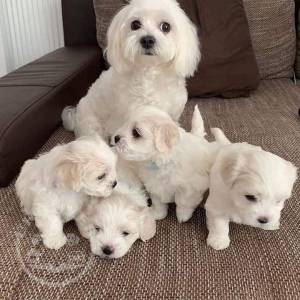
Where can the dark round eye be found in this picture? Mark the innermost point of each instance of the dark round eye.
(125, 233)
(97, 228)
(251, 198)
(136, 25)
(165, 27)
(135, 133)
(101, 177)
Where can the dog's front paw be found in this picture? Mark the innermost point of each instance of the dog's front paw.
(183, 214)
(160, 212)
(54, 241)
(218, 242)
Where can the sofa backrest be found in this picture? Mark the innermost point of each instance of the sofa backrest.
(79, 22)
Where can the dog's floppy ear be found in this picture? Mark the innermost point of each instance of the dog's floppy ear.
(166, 136)
(239, 168)
(147, 228)
(230, 168)
(68, 175)
(292, 173)
(83, 219)
(188, 52)
(114, 41)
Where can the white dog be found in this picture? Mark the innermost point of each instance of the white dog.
(173, 164)
(152, 48)
(247, 186)
(53, 188)
(113, 224)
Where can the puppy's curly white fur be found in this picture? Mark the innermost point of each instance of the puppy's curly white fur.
(114, 223)
(173, 164)
(152, 47)
(247, 185)
(53, 187)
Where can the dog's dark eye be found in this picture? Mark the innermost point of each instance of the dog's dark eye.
(165, 27)
(97, 228)
(135, 133)
(136, 25)
(251, 198)
(101, 177)
(125, 233)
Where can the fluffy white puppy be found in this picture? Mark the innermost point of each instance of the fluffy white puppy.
(53, 187)
(173, 164)
(114, 223)
(247, 185)
(152, 48)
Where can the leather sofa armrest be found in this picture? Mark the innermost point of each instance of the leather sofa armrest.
(33, 97)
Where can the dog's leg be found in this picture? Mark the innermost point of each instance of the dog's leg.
(218, 231)
(87, 122)
(51, 228)
(186, 203)
(159, 209)
(184, 213)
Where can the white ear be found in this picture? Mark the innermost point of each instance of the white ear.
(114, 41)
(166, 136)
(83, 220)
(68, 175)
(230, 169)
(188, 52)
(292, 173)
(147, 227)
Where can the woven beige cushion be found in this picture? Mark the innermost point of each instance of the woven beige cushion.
(273, 34)
(176, 263)
(297, 64)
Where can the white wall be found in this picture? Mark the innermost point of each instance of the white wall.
(3, 69)
(30, 29)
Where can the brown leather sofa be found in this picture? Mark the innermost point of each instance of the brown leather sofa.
(32, 97)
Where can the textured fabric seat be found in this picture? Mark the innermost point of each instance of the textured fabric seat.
(176, 263)
(32, 98)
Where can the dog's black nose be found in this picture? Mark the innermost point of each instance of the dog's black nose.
(107, 250)
(114, 184)
(263, 220)
(148, 41)
(149, 202)
(117, 138)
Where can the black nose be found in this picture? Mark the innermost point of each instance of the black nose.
(149, 202)
(107, 250)
(117, 138)
(114, 184)
(148, 41)
(263, 220)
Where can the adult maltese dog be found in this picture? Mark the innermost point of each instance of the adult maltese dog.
(173, 164)
(53, 187)
(152, 47)
(114, 223)
(247, 185)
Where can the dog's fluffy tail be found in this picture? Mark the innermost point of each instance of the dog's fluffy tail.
(220, 136)
(69, 118)
(197, 123)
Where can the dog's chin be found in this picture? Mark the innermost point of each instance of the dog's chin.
(104, 193)
(269, 226)
(132, 157)
(102, 255)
